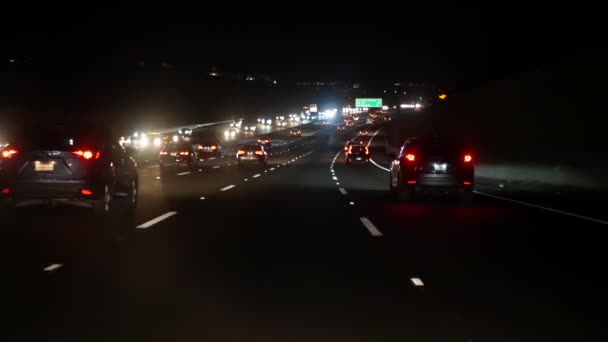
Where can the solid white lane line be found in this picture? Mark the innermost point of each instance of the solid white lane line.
(544, 208)
(226, 188)
(343, 191)
(216, 167)
(417, 281)
(184, 173)
(272, 169)
(370, 226)
(52, 267)
(256, 175)
(379, 166)
(156, 220)
(335, 178)
(370, 159)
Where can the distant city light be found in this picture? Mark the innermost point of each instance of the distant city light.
(384, 107)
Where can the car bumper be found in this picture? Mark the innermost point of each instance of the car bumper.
(445, 181)
(52, 190)
(246, 160)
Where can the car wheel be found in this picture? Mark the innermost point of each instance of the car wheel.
(103, 205)
(466, 198)
(404, 195)
(133, 194)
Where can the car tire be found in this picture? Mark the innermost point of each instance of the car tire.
(466, 198)
(102, 207)
(133, 194)
(404, 195)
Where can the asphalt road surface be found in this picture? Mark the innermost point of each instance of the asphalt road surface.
(303, 249)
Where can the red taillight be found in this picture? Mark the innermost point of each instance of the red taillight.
(366, 150)
(259, 152)
(411, 182)
(184, 153)
(5, 191)
(239, 152)
(9, 153)
(468, 158)
(410, 157)
(86, 154)
(86, 192)
(350, 149)
(163, 153)
(467, 183)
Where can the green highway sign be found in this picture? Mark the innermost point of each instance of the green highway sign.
(368, 103)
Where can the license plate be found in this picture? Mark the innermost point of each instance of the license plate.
(358, 158)
(440, 167)
(44, 166)
(174, 153)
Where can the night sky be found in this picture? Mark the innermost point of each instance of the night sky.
(426, 44)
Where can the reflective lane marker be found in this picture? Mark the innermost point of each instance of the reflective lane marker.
(229, 164)
(246, 179)
(335, 178)
(272, 169)
(343, 191)
(156, 220)
(52, 267)
(370, 226)
(226, 188)
(157, 177)
(351, 203)
(417, 281)
(544, 208)
(284, 164)
(183, 173)
(337, 183)
(293, 160)
(216, 167)
(200, 170)
(256, 175)
(203, 198)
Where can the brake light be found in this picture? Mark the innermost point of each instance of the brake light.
(350, 149)
(411, 182)
(163, 153)
(468, 158)
(410, 157)
(86, 154)
(5, 191)
(86, 192)
(366, 150)
(239, 152)
(259, 152)
(184, 153)
(9, 153)
(466, 183)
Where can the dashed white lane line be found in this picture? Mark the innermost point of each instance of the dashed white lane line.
(246, 179)
(272, 169)
(156, 220)
(351, 203)
(184, 173)
(216, 167)
(334, 178)
(226, 188)
(158, 177)
(52, 267)
(343, 191)
(417, 282)
(544, 208)
(370, 226)
(214, 158)
(203, 198)
(256, 175)
(337, 183)
(284, 164)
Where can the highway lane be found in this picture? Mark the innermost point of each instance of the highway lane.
(286, 256)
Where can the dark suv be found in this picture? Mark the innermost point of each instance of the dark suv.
(432, 164)
(67, 164)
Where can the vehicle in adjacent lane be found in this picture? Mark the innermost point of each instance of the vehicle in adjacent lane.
(68, 165)
(432, 165)
(357, 153)
(265, 141)
(251, 154)
(178, 157)
(295, 132)
(208, 149)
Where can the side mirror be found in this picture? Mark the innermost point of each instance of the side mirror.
(393, 156)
